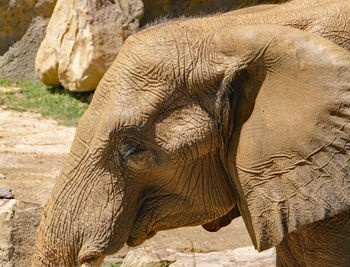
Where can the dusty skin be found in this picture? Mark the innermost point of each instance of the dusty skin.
(198, 116)
(32, 150)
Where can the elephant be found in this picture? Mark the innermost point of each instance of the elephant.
(201, 120)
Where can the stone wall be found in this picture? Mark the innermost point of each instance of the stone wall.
(19, 221)
(22, 27)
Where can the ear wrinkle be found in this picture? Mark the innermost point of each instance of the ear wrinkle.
(225, 105)
(236, 100)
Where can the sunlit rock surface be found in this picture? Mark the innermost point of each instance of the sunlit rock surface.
(82, 40)
(152, 256)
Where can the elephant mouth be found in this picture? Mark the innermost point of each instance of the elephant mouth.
(138, 239)
(145, 224)
(223, 221)
(139, 233)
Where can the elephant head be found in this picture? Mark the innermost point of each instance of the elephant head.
(187, 124)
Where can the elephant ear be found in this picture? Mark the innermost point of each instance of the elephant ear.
(289, 144)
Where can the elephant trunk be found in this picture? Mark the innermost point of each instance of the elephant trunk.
(83, 218)
(48, 251)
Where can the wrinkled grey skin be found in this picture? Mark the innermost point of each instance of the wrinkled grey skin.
(197, 116)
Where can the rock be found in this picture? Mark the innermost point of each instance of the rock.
(7, 211)
(82, 40)
(19, 221)
(154, 256)
(2, 176)
(17, 15)
(25, 224)
(22, 25)
(18, 61)
(6, 193)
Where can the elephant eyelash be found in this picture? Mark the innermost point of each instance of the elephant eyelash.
(129, 150)
(128, 153)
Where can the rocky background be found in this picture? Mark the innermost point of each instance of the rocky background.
(82, 36)
(22, 28)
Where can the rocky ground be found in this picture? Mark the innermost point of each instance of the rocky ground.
(32, 150)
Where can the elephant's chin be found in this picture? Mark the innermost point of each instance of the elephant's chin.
(144, 225)
(136, 240)
(223, 221)
(141, 230)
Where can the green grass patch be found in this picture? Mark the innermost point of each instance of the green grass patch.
(52, 102)
(5, 82)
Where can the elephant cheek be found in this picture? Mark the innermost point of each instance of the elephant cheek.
(223, 221)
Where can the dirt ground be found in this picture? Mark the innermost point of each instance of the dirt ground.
(32, 150)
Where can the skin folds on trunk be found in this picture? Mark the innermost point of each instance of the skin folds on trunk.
(77, 222)
(94, 205)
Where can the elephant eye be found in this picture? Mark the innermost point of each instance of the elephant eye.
(135, 156)
(130, 148)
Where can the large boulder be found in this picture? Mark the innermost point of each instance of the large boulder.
(17, 15)
(157, 256)
(82, 40)
(22, 27)
(19, 221)
(83, 37)
(7, 211)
